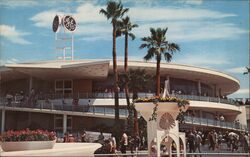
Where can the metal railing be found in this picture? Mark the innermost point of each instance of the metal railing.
(95, 110)
(215, 123)
(100, 95)
(104, 111)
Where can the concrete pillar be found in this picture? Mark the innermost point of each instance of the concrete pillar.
(64, 123)
(3, 121)
(30, 84)
(220, 95)
(215, 89)
(199, 87)
(158, 143)
(201, 116)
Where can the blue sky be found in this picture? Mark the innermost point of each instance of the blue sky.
(212, 34)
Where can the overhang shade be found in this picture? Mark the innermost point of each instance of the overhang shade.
(61, 70)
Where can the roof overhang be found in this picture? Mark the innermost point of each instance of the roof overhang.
(225, 82)
(58, 70)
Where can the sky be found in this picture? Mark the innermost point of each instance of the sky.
(211, 33)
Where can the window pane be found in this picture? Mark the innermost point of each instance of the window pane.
(67, 84)
(59, 84)
(67, 91)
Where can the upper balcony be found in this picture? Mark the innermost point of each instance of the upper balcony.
(107, 112)
(143, 95)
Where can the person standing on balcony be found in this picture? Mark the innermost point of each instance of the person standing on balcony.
(9, 98)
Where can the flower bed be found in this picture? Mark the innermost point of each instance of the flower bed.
(180, 102)
(27, 140)
(27, 135)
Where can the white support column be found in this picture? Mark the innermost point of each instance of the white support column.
(64, 123)
(30, 84)
(3, 121)
(158, 143)
(199, 87)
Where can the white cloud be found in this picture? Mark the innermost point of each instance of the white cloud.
(86, 13)
(193, 30)
(202, 60)
(242, 91)
(9, 61)
(13, 35)
(18, 3)
(237, 70)
(191, 2)
(166, 14)
(185, 24)
(31, 3)
(45, 18)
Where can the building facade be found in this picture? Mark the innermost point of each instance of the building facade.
(69, 96)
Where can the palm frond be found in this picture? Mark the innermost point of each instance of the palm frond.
(150, 54)
(144, 45)
(168, 57)
(172, 47)
(131, 35)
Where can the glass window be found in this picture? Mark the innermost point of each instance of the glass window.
(67, 84)
(59, 84)
(63, 86)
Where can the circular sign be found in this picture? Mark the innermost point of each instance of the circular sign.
(56, 24)
(69, 23)
(166, 121)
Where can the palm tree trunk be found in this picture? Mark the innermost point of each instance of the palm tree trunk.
(136, 126)
(126, 71)
(126, 83)
(115, 75)
(158, 77)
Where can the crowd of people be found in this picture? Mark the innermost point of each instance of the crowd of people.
(217, 140)
(126, 143)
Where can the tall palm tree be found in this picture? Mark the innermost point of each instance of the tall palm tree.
(157, 46)
(124, 28)
(114, 11)
(138, 81)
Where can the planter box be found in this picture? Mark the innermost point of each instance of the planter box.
(27, 145)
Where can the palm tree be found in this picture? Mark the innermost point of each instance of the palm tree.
(157, 46)
(124, 28)
(138, 81)
(114, 11)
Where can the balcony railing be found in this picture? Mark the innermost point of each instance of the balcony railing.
(215, 123)
(108, 111)
(122, 95)
(52, 106)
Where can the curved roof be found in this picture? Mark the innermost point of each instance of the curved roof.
(223, 81)
(99, 69)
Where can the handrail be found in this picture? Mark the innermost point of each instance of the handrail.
(97, 110)
(110, 95)
(216, 123)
